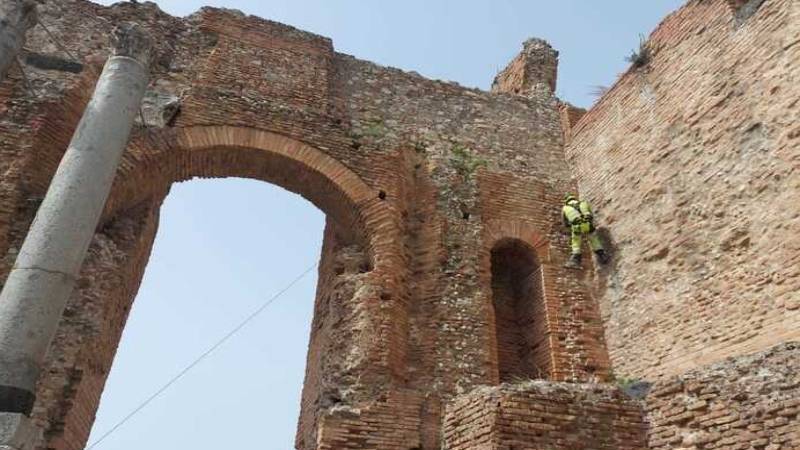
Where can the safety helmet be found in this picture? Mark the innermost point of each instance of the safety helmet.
(569, 197)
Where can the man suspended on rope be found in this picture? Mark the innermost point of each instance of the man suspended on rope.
(579, 219)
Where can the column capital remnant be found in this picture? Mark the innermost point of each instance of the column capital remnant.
(131, 40)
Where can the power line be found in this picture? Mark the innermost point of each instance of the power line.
(200, 358)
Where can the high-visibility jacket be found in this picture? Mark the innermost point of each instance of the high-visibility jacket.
(577, 212)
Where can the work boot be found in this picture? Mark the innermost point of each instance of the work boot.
(574, 261)
(602, 256)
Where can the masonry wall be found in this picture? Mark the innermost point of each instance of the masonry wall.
(747, 402)
(419, 179)
(555, 416)
(691, 163)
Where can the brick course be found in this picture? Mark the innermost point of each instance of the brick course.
(403, 167)
(534, 415)
(443, 249)
(746, 402)
(691, 163)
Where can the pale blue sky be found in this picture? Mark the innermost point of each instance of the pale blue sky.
(224, 246)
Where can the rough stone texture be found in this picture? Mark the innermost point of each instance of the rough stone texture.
(420, 181)
(442, 207)
(750, 403)
(544, 415)
(692, 165)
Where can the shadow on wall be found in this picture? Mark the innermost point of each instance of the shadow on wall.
(518, 302)
(604, 274)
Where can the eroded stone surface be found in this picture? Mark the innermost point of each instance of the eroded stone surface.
(421, 181)
(692, 164)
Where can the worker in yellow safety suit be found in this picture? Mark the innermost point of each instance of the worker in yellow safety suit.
(579, 219)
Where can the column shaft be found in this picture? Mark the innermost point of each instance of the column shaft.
(44, 274)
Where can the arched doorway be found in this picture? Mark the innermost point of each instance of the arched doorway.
(519, 312)
(220, 253)
(360, 225)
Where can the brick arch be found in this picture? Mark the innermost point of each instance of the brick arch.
(570, 316)
(496, 230)
(516, 306)
(153, 161)
(157, 159)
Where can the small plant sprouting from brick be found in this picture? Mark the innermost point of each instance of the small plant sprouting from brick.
(464, 160)
(623, 382)
(598, 91)
(642, 56)
(375, 129)
(633, 387)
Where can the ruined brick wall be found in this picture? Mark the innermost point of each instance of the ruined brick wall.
(555, 416)
(533, 72)
(747, 402)
(419, 181)
(691, 163)
(442, 207)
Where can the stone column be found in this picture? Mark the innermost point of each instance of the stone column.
(16, 18)
(50, 259)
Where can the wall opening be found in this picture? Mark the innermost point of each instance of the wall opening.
(517, 298)
(223, 248)
(82, 353)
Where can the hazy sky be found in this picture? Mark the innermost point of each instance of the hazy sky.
(225, 246)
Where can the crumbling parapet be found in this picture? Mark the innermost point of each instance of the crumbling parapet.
(532, 73)
(541, 414)
(750, 402)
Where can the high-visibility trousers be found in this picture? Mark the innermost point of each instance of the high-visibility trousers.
(584, 229)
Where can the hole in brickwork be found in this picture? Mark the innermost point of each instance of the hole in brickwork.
(744, 9)
(519, 312)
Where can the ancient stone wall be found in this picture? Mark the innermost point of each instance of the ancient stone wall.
(442, 263)
(691, 162)
(419, 179)
(747, 402)
(555, 416)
